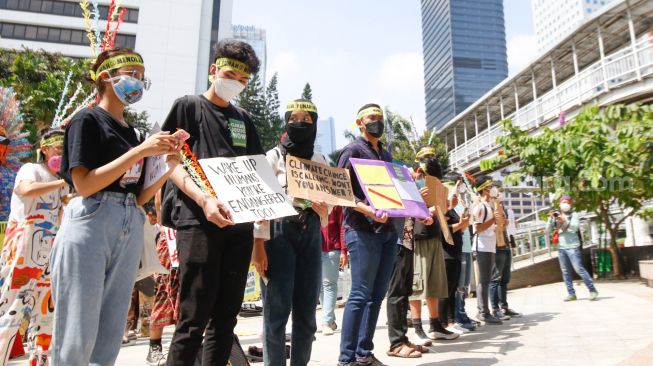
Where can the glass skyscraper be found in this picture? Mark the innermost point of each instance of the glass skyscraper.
(464, 43)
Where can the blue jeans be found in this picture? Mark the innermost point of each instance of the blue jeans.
(569, 258)
(372, 257)
(294, 272)
(500, 279)
(329, 293)
(94, 263)
(463, 287)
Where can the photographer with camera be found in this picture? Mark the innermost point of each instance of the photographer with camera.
(566, 223)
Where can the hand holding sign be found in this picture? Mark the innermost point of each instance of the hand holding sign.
(216, 212)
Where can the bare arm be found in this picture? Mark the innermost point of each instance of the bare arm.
(30, 189)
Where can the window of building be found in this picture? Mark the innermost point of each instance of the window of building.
(56, 35)
(59, 7)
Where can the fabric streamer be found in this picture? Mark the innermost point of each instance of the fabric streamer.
(115, 30)
(189, 162)
(89, 28)
(86, 103)
(96, 29)
(63, 95)
(107, 30)
(59, 118)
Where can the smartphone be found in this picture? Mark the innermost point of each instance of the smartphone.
(181, 135)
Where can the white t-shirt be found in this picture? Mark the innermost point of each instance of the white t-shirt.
(48, 204)
(484, 241)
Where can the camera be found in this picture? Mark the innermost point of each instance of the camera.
(556, 213)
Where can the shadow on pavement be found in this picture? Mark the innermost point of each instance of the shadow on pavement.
(464, 362)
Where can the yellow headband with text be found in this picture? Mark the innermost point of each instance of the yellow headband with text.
(423, 152)
(116, 62)
(231, 64)
(52, 141)
(370, 112)
(301, 106)
(484, 185)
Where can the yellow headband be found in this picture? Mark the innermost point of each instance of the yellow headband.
(301, 106)
(116, 62)
(231, 64)
(424, 151)
(484, 185)
(369, 112)
(51, 141)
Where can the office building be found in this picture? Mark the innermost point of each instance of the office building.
(464, 45)
(255, 37)
(325, 142)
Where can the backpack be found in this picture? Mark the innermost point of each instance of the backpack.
(170, 201)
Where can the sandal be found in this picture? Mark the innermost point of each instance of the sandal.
(418, 348)
(404, 351)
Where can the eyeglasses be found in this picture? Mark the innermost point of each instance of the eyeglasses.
(136, 75)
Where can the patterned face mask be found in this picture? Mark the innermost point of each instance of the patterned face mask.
(129, 89)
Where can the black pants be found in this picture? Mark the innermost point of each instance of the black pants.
(213, 266)
(447, 306)
(400, 289)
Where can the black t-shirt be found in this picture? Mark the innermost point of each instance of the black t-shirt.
(93, 139)
(224, 132)
(453, 251)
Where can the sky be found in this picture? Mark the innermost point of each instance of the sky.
(358, 52)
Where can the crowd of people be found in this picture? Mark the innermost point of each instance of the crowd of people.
(69, 260)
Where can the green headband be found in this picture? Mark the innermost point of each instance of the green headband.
(301, 106)
(116, 62)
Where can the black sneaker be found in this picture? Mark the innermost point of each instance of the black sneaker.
(511, 313)
(437, 331)
(155, 356)
(500, 315)
(489, 319)
(369, 361)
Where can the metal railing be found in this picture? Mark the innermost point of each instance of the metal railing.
(619, 68)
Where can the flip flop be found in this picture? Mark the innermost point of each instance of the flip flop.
(404, 351)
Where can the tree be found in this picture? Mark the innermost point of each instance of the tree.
(263, 107)
(274, 120)
(38, 78)
(406, 140)
(138, 120)
(601, 159)
(307, 94)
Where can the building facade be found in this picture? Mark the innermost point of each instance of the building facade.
(555, 19)
(255, 37)
(177, 53)
(325, 142)
(464, 45)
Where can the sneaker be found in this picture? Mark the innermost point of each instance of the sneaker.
(500, 315)
(369, 361)
(327, 329)
(489, 319)
(420, 337)
(155, 356)
(571, 298)
(125, 340)
(466, 326)
(511, 313)
(437, 331)
(454, 329)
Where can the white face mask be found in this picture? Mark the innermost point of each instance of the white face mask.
(565, 207)
(494, 192)
(227, 89)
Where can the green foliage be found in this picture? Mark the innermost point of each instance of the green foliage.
(404, 142)
(38, 78)
(601, 159)
(138, 120)
(263, 107)
(307, 94)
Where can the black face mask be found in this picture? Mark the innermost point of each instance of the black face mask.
(300, 132)
(375, 129)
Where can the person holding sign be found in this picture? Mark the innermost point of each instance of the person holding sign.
(288, 251)
(98, 247)
(371, 240)
(486, 218)
(214, 253)
(430, 281)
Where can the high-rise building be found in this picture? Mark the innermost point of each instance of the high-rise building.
(464, 43)
(256, 38)
(325, 142)
(177, 52)
(554, 19)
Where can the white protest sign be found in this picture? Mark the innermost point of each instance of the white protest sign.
(171, 240)
(155, 166)
(248, 187)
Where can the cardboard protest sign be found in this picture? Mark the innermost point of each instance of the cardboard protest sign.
(248, 187)
(318, 182)
(443, 225)
(389, 187)
(438, 193)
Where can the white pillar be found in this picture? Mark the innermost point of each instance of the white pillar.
(455, 138)
(575, 59)
(501, 105)
(466, 144)
(602, 53)
(476, 137)
(633, 41)
(555, 83)
(514, 86)
(489, 123)
(534, 86)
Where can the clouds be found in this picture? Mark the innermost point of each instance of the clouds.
(522, 49)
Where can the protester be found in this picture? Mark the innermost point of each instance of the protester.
(456, 225)
(430, 277)
(290, 260)
(98, 247)
(566, 223)
(334, 260)
(463, 322)
(371, 240)
(214, 253)
(165, 309)
(36, 206)
(486, 218)
(501, 277)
